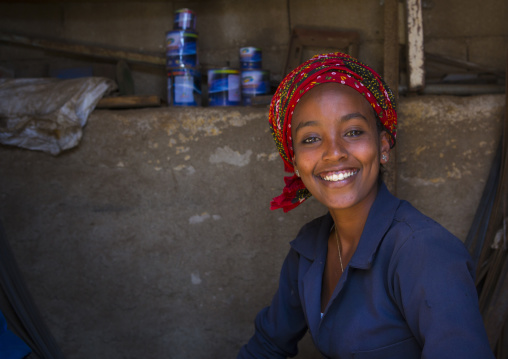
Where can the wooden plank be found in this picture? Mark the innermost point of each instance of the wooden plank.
(129, 102)
(86, 50)
(416, 71)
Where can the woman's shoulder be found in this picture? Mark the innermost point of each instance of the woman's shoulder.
(412, 228)
(411, 220)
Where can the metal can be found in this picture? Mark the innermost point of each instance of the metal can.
(181, 49)
(224, 87)
(185, 19)
(250, 58)
(254, 83)
(184, 87)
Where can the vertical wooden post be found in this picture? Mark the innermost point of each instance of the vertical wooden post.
(415, 51)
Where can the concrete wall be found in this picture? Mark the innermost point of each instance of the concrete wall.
(153, 238)
(466, 30)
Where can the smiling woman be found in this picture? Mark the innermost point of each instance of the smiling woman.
(373, 278)
(337, 148)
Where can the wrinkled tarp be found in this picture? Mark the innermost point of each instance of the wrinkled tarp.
(48, 114)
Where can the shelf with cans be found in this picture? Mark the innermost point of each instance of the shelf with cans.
(224, 86)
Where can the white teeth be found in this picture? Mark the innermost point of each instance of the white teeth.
(339, 177)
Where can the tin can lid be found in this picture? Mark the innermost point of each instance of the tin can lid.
(249, 48)
(223, 70)
(184, 10)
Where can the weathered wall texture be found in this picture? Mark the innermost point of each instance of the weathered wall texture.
(446, 148)
(469, 30)
(154, 237)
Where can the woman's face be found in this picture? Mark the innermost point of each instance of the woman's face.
(337, 146)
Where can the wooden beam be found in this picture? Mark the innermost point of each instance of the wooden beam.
(129, 102)
(416, 71)
(85, 50)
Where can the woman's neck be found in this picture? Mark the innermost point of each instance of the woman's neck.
(351, 221)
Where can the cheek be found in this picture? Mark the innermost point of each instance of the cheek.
(302, 160)
(368, 149)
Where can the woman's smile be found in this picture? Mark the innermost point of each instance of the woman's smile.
(338, 175)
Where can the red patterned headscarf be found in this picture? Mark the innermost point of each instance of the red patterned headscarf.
(334, 67)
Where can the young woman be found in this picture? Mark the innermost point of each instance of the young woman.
(374, 278)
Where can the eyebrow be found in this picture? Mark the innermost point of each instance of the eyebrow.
(345, 118)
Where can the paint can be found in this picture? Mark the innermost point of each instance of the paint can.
(181, 49)
(224, 87)
(254, 83)
(250, 58)
(185, 19)
(184, 87)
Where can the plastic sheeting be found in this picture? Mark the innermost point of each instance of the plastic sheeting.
(48, 114)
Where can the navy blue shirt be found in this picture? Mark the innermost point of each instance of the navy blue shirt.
(407, 292)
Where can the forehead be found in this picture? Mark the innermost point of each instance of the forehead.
(333, 98)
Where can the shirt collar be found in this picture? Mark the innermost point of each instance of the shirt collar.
(378, 222)
(380, 219)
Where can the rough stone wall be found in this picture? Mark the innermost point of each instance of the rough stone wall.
(154, 237)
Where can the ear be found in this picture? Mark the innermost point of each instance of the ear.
(293, 160)
(384, 147)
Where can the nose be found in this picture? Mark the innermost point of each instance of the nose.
(334, 149)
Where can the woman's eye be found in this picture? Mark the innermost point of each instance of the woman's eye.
(310, 140)
(354, 133)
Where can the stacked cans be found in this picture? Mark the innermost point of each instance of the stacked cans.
(255, 81)
(184, 78)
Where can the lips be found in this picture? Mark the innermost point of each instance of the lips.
(338, 176)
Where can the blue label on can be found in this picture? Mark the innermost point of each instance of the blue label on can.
(182, 61)
(224, 88)
(184, 20)
(184, 90)
(250, 58)
(255, 83)
(181, 49)
(184, 87)
(250, 65)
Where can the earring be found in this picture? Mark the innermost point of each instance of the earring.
(384, 157)
(297, 173)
